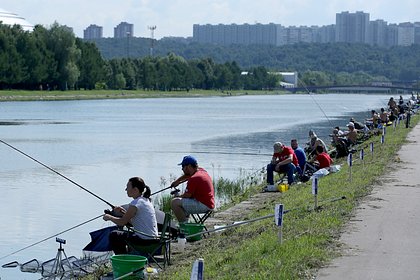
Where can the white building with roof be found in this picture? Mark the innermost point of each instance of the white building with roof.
(12, 19)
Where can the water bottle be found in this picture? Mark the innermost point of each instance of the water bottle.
(181, 242)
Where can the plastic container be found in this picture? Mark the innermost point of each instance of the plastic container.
(123, 264)
(191, 228)
(283, 187)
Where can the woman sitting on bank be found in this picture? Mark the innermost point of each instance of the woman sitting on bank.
(140, 213)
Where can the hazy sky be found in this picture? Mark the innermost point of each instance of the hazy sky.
(176, 17)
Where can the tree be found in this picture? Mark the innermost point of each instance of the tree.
(12, 70)
(61, 41)
(90, 64)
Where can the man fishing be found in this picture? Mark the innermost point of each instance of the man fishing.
(284, 160)
(199, 194)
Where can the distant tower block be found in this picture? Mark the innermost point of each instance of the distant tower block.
(152, 37)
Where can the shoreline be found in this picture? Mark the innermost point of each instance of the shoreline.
(17, 95)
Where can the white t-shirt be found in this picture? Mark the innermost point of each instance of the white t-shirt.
(145, 218)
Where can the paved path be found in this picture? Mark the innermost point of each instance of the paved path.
(383, 238)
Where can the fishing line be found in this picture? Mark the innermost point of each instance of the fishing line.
(209, 152)
(45, 239)
(56, 172)
(310, 94)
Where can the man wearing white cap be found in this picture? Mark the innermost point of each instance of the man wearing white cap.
(199, 194)
(351, 134)
(284, 160)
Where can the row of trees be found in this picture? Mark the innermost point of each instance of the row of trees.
(173, 72)
(54, 59)
(396, 63)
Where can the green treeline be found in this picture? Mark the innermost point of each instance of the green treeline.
(396, 63)
(55, 59)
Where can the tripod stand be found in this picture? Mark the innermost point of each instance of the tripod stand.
(57, 267)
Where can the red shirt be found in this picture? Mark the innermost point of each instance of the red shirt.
(285, 154)
(201, 187)
(324, 160)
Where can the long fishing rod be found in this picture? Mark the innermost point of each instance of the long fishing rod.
(319, 106)
(56, 172)
(260, 218)
(52, 236)
(159, 191)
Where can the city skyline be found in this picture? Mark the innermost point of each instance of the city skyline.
(176, 18)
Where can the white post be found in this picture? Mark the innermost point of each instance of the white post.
(197, 272)
(362, 157)
(278, 215)
(350, 163)
(315, 191)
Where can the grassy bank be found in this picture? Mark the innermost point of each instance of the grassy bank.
(22, 95)
(309, 237)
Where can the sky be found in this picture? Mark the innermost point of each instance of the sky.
(176, 17)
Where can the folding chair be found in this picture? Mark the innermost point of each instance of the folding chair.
(161, 246)
(200, 218)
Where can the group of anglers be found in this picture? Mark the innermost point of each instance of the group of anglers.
(295, 161)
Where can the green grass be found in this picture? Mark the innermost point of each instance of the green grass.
(36, 95)
(309, 237)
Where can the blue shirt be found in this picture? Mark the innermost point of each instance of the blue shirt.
(301, 156)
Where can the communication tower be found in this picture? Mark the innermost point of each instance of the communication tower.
(152, 37)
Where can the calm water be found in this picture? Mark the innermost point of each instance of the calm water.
(101, 143)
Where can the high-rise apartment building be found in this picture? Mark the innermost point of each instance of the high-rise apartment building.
(352, 27)
(378, 33)
(405, 34)
(93, 31)
(124, 30)
(417, 33)
(325, 34)
(249, 34)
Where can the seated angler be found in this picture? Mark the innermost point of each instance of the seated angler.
(139, 213)
(351, 134)
(199, 194)
(284, 160)
(314, 142)
(384, 117)
(322, 159)
(300, 154)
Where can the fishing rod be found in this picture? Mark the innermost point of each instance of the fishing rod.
(52, 236)
(261, 218)
(56, 172)
(159, 191)
(319, 106)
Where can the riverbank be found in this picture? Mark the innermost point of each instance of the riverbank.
(310, 238)
(36, 95)
(381, 239)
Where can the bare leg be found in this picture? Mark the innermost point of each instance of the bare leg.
(176, 205)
